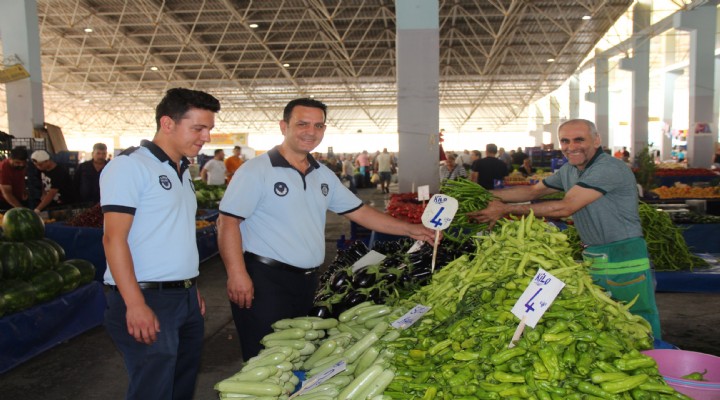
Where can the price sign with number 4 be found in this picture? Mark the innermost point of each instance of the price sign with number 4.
(535, 300)
(438, 215)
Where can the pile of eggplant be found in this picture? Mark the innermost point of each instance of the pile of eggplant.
(340, 289)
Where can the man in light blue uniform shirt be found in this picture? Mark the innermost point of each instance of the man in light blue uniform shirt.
(271, 229)
(155, 312)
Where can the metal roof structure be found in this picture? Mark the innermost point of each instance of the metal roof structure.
(106, 63)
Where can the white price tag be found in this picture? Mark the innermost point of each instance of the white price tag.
(372, 257)
(320, 378)
(410, 317)
(439, 212)
(416, 246)
(423, 192)
(538, 297)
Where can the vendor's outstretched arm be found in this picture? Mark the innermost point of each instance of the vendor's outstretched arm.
(375, 220)
(575, 199)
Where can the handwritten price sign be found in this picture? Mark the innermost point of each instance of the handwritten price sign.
(538, 297)
(439, 212)
(410, 317)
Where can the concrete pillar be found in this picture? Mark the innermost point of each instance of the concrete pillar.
(21, 42)
(601, 97)
(641, 77)
(701, 23)
(418, 76)
(574, 103)
(669, 97)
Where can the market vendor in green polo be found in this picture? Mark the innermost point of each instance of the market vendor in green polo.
(601, 196)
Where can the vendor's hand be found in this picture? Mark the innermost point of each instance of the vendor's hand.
(240, 289)
(493, 212)
(142, 323)
(37, 211)
(420, 232)
(201, 302)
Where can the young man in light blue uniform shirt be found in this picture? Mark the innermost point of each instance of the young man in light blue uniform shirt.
(155, 312)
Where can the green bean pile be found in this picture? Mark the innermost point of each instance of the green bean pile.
(666, 245)
(470, 197)
(585, 346)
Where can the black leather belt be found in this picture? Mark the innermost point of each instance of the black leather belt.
(183, 284)
(279, 264)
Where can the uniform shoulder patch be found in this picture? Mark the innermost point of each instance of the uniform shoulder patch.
(325, 189)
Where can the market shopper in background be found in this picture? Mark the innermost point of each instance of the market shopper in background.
(214, 171)
(465, 159)
(384, 166)
(526, 169)
(57, 185)
(348, 172)
(362, 162)
(271, 228)
(12, 179)
(601, 196)
(486, 170)
(451, 169)
(233, 162)
(87, 175)
(154, 311)
(505, 157)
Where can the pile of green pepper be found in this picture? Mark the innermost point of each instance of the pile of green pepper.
(585, 346)
(470, 197)
(666, 245)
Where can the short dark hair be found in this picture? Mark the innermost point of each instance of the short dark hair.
(477, 153)
(99, 146)
(491, 148)
(237, 148)
(178, 101)
(304, 102)
(217, 151)
(19, 153)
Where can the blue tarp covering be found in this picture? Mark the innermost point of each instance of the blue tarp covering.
(86, 243)
(28, 333)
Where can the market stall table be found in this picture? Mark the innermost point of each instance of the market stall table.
(30, 332)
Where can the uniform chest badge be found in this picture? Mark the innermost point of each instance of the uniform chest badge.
(281, 189)
(325, 189)
(165, 182)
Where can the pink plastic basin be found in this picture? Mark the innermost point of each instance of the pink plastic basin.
(673, 364)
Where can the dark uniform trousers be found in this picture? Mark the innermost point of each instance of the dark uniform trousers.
(168, 368)
(279, 293)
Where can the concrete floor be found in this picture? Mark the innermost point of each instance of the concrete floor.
(88, 367)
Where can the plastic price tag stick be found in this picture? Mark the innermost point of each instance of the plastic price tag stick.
(372, 257)
(424, 193)
(410, 317)
(535, 300)
(320, 378)
(438, 215)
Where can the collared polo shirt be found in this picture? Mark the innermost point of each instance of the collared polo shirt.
(612, 217)
(284, 211)
(145, 183)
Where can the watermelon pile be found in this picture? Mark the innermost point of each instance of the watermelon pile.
(33, 268)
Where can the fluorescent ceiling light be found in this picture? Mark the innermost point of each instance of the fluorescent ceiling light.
(253, 26)
(286, 65)
(88, 30)
(550, 60)
(153, 68)
(586, 17)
